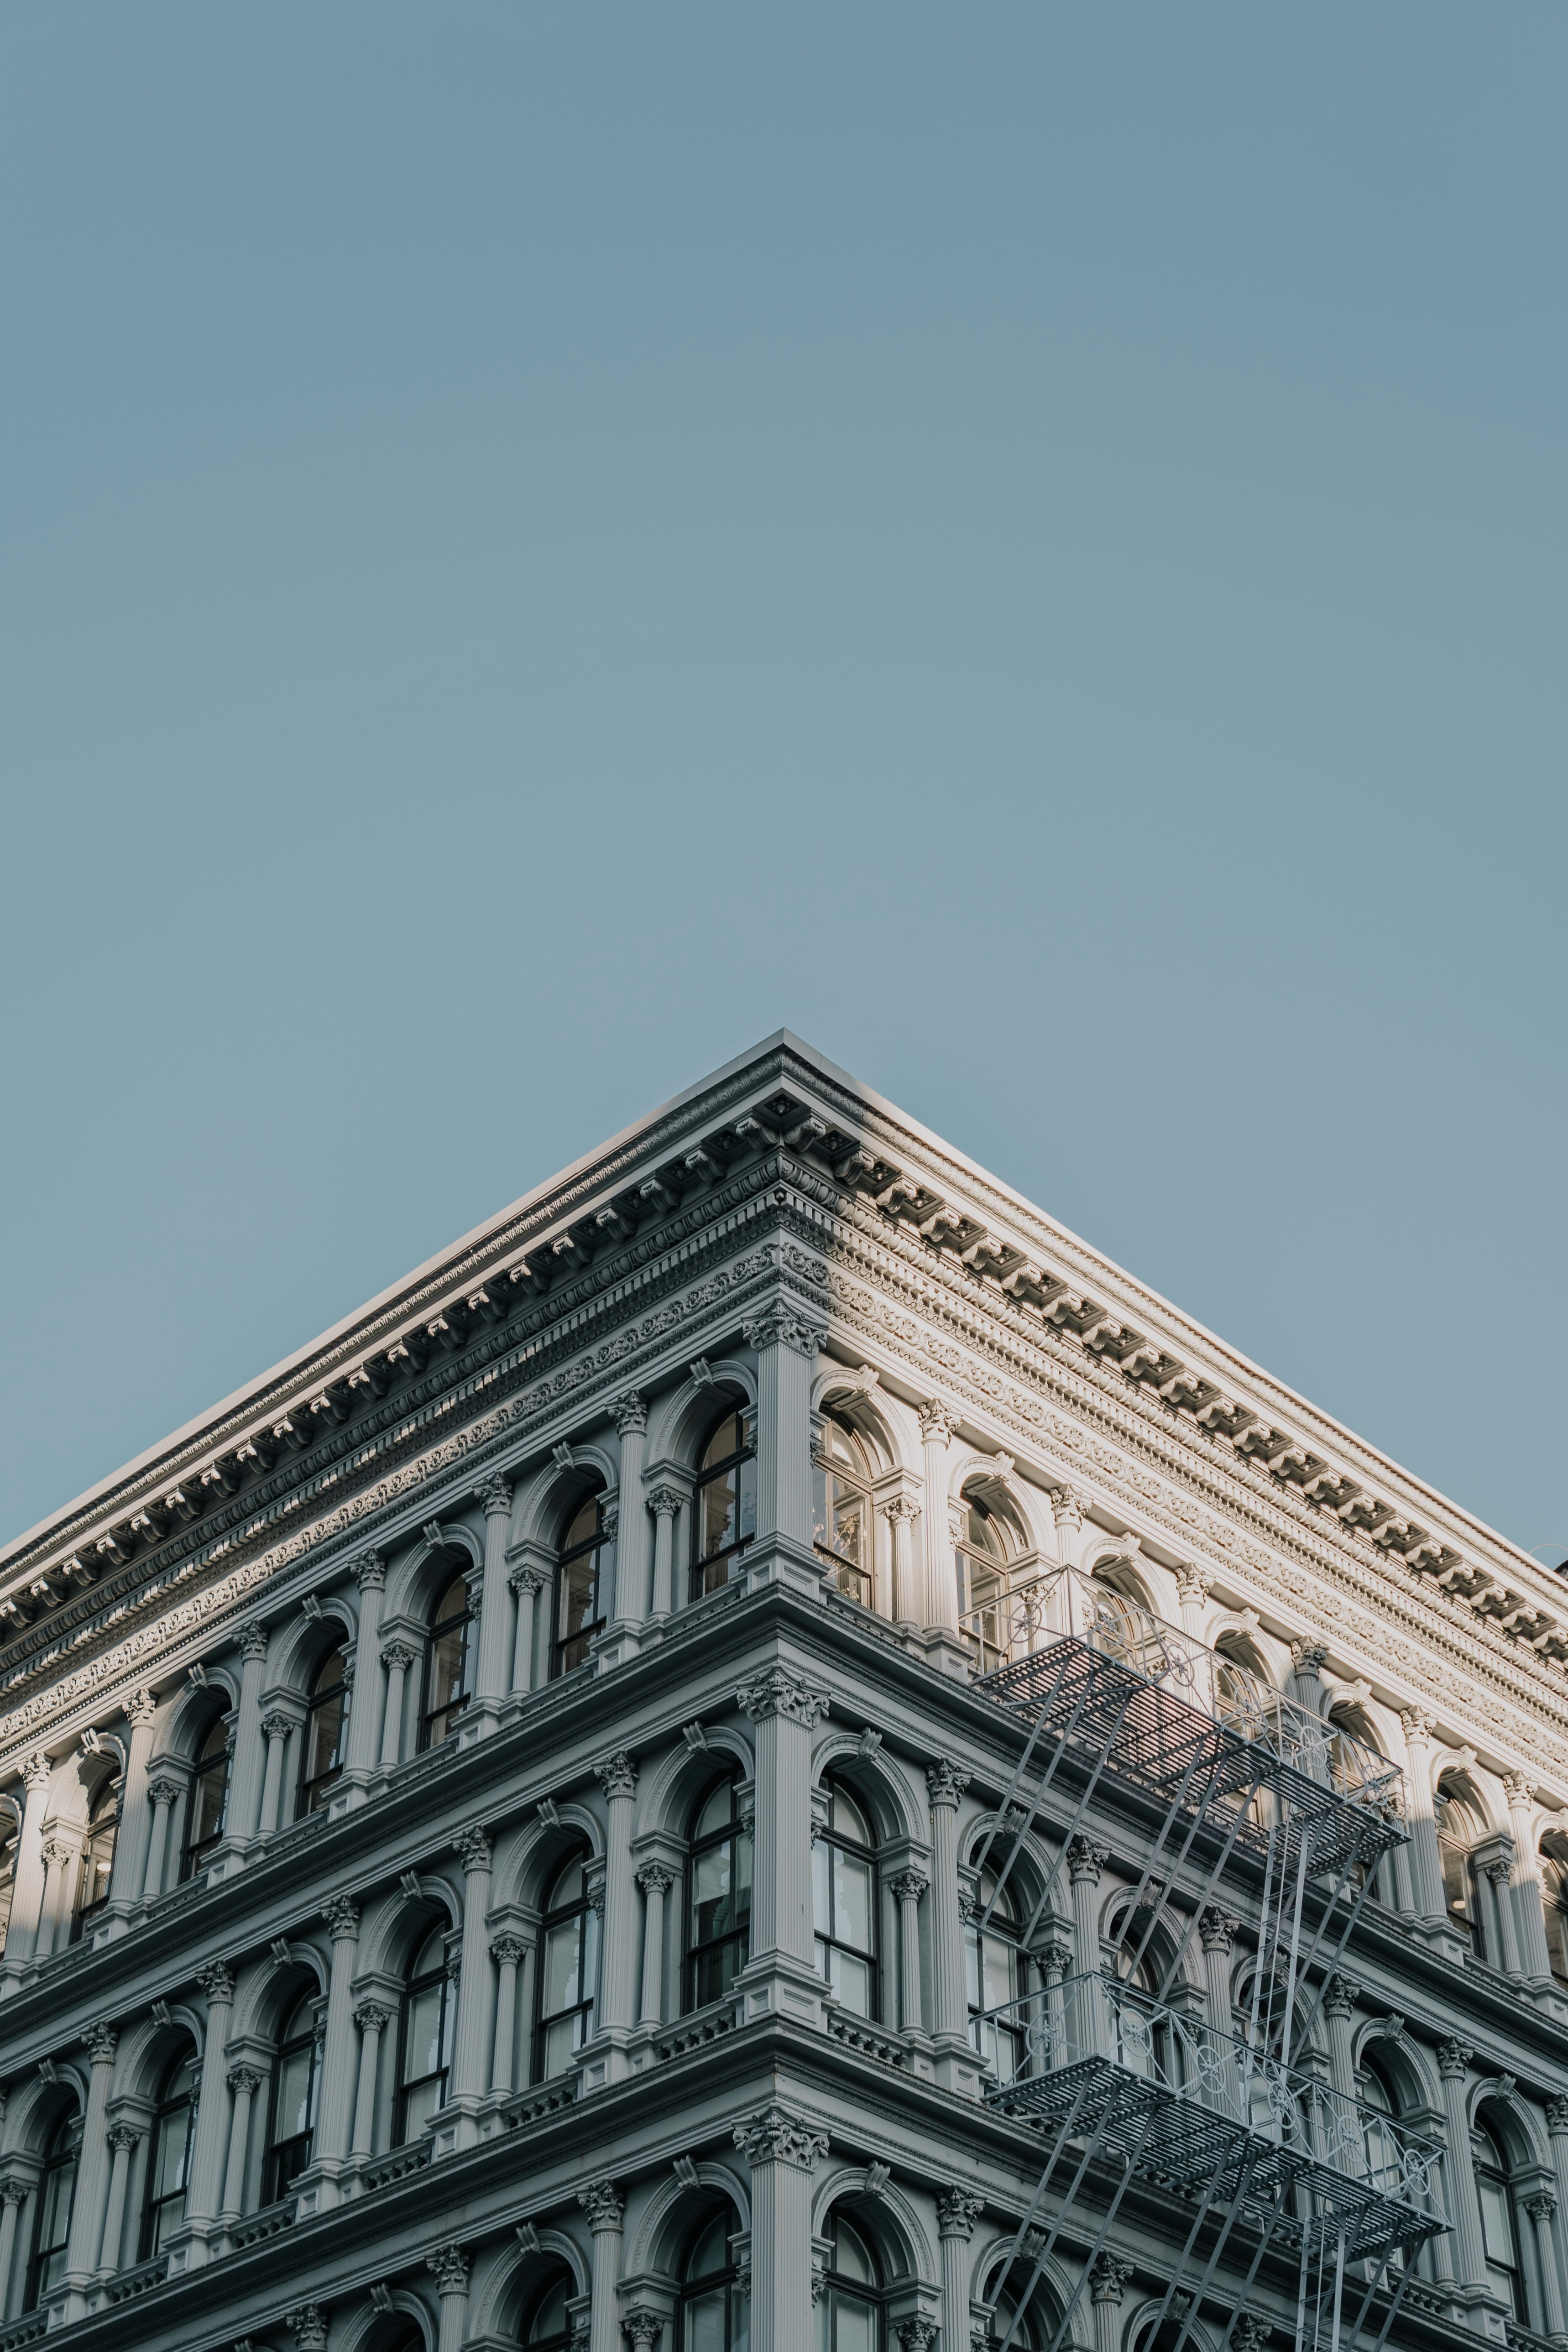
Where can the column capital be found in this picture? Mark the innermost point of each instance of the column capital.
(628, 1411)
(1499, 1871)
(121, 2138)
(655, 1878)
(910, 1886)
(664, 1502)
(1067, 1507)
(778, 1692)
(1055, 1957)
(774, 2135)
(1417, 1725)
(1192, 1584)
(1086, 1860)
(162, 1792)
(371, 2017)
(216, 1981)
(495, 1498)
(472, 1847)
(1557, 2114)
(1250, 2333)
(938, 1422)
(902, 1511)
(397, 1657)
(35, 1772)
(526, 1580)
(450, 2267)
(1453, 2057)
(1541, 2207)
(1217, 1929)
(957, 2212)
(617, 1775)
(507, 1951)
(1108, 2277)
(369, 1571)
(642, 2326)
(1518, 1789)
(603, 2203)
(307, 2324)
(917, 2333)
(944, 1782)
(780, 1326)
(102, 2042)
(341, 1917)
(1308, 1656)
(274, 1727)
(1340, 1997)
(253, 1645)
(242, 2079)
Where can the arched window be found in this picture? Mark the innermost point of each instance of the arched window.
(326, 1730)
(169, 2155)
(843, 1884)
(724, 1513)
(1499, 2225)
(1242, 1695)
(719, 1895)
(291, 2130)
(980, 1560)
(1459, 1830)
(851, 2290)
(1379, 2107)
(841, 1519)
(426, 2038)
(995, 1967)
(1121, 1618)
(714, 2313)
(1555, 1901)
(448, 1661)
(10, 1840)
(209, 1796)
(579, 1601)
(52, 2219)
(547, 2327)
(97, 1858)
(568, 1969)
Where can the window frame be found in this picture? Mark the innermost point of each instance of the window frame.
(55, 2161)
(855, 1581)
(153, 2238)
(559, 2275)
(837, 1841)
(436, 1630)
(726, 2279)
(99, 1826)
(592, 1547)
(278, 2179)
(554, 1921)
(1499, 2177)
(992, 1646)
(732, 1833)
(703, 1580)
(193, 1851)
(839, 2287)
(1009, 1939)
(313, 1789)
(447, 2018)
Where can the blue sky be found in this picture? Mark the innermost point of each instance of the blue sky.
(539, 544)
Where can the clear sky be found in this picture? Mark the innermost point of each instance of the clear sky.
(1024, 543)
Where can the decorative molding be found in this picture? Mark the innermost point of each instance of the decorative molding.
(780, 1692)
(774, 2135)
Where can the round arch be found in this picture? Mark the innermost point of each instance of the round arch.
(888, 1794)
(681, 1417)
(499, 2299)
(666, 2217)
(886, 2215)
(678, 1778)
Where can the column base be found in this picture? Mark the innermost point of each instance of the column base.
(949, 1653)
(778, 1985)
(605, 2060)
(786, 1562)
(959, 2067)
(617, 1645)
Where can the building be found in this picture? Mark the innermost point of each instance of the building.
(770, 1751)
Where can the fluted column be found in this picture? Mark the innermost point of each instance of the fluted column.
(1217, 1933)
(1557, 2133)
(782, 2150)
(664, 1502)
(1529, 1917)
(338, 2053)
(27, 1895)
(785, 1713)
(787, 1346)
(135, 1811)
(1087, 2023)
(527, 1583)
(617, 1776)
(957, 2212)
(1425, 1861)
(939, 1598)
(1464, 2205)
(492, 1674)
(397, 1658)
(1339, 2006)
(1191, 1599)
(364, 1748)
(1541, 2209)
(163, 1796)
(14, 2195)
(507, 1952)
(950, 2004)
(62, 1852)
(205, 2194)
(472, 1847)
(450, 2266)
(248, 1772)
(275, 1730)
(901, 1514)
(629, 1413)
(605, 2207)
(244, 2082)
(908, 1888)
(1499, 1875)
(89, 2206)
(373, 2021)
(656, 1882)
(122, 2140)
(1108, 2277)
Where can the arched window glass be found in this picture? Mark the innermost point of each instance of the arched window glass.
(724, 1511)
(994, 1970)
(209, 1796)
(981, 1563)
(291, 2130)
(169, 2155)
(569, 1968)
(579, 1603)
(10, 1831)
(1499, 2225)
(326, 1728)
(448, 1661)
(1384, 2167)
(52, 2221)
(718, 1896)
(426, 2037)
(1120, 1620)
(715, 2314)
(851, 2292)
(97, 1858)
(844, 1885)
(1459, 1830)
(841, 1520)
(1241, 1692)
(1554, 1901)
(548, 2326)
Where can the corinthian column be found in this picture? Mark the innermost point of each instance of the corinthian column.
(958, 2063)
(941, 1595)
(246, 1772)
(122, 2139)
(27, 1897)
(787, 1346)
(656, 1882)
(606, 2208)
(528, 1583)
(89, 2204)
(338, 2053)
(493, 1672)
(364, 1751)
(617, 1776)
(957, 2212)
(205, 2194)
(1425, 1861)
(782, 2150)
(450, 2265)
(1464, 2206)
(1107, 2278)
(629, 1413)
(1529, 1915)
(135, 1820)
(901, 1515)
(785, 1713)
(664, 1502)
(472, 1847)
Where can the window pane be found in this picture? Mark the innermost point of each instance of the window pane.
(449, 1658)
(726, 1439)
(58, 2184)
(562, 1966)
(579, 1582)
(854, 2324)
(207, 1804)
(174, 2132)
(852, 1897)
(718, 1515)
(746, 1503)
(850, 1980)
(296, 2074)
(704, 2321)
(713, 1909)
(325, 1730)
(420, 2105)
(422, 2048)
(561, 2042)
(718, 1808)
(1495, 2224)
(584, 1527)
(822, 1887)
(711, 2250)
